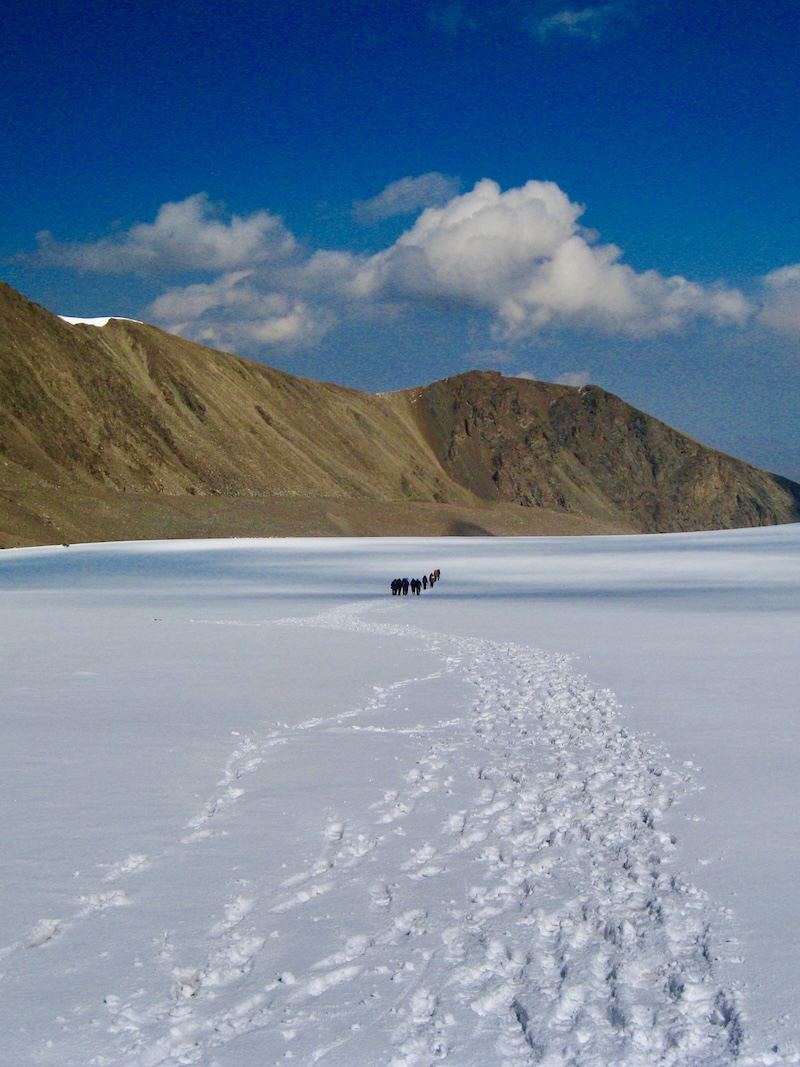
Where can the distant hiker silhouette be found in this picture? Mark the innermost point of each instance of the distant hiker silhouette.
(401, 586)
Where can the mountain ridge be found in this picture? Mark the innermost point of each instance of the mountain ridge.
(122, 431)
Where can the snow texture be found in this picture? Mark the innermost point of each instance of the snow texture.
(259, 811)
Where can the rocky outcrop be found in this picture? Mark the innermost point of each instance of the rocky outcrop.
(585, 451)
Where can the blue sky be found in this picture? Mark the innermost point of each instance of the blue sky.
(383, 194)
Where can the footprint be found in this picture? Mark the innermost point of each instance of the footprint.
(235, 911)
(380, 895)
(186, 982)
(134, 862)
(317, 986)
(399, 810)
(423, 864)
(303, 897)
(95, 903)
(412, 923)
(45, 930)
(354, 947)
(353, 851)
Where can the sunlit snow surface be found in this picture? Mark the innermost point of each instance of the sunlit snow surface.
(256, 810)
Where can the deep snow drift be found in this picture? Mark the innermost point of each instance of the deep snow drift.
(257, 810)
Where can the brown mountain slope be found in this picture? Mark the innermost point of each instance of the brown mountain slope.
(587, 452)
(126, 432)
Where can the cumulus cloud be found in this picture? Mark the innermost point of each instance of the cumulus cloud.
(522, 256)
(407, 196)
(237, 311)
(191, 234)
(781, 305)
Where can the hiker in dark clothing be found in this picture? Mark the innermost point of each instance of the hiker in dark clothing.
(401, 586)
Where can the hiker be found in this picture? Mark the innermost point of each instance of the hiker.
(424, 581)
(405, 586)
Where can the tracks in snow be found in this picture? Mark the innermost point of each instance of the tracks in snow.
(509, 901)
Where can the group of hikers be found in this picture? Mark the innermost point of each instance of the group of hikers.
(402, 586)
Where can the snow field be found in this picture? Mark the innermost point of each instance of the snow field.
(349, 840)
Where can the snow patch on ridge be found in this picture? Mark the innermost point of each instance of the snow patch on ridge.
(101, 321)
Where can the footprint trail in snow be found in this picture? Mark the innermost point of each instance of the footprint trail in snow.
(509, 898)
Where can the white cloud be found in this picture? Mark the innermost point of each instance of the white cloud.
(407, 196)
(593, 21)
(543, 19)
(475, 249)
(577, 378)
(522, 256)
(781, 305)
(191, 234)
(235, 312)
